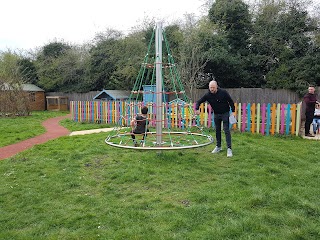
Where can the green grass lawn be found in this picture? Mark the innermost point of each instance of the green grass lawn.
(81, 188)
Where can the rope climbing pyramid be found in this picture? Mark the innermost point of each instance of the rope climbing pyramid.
(167, 125)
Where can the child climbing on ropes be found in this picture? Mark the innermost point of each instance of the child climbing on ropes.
(139, 125)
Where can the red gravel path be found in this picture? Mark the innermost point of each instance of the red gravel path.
(54, 130)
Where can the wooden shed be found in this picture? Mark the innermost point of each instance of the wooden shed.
(57, 103)
(36, 97)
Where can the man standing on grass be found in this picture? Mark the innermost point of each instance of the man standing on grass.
(221, 103)
(310, 100)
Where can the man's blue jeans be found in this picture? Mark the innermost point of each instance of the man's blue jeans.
(218, 119)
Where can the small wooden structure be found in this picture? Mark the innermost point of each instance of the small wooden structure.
(20, 99)
(36, 97)
(57, 103)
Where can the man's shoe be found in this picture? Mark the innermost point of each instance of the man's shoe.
(309, 135)
(216, 149)
(229, 152)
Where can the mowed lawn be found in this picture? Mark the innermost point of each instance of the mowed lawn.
(78, 187)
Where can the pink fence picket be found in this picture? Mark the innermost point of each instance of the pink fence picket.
(282, 118)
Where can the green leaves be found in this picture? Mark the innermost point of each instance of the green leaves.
(234, 20)
(61, 67)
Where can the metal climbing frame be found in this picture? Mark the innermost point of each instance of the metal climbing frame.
(152, 71)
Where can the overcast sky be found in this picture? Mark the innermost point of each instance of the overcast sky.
(27, 24)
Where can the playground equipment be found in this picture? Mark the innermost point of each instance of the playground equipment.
(161, 69)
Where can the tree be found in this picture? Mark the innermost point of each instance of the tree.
(174, 36)
(128, 56)
(27, 70)
(192, 55)
(62, 67)
(234, 20)
(282, 37)
(102, 63)
(9, 69)
(55, 49)
(228, 48)
(294, 28)
(13, 100)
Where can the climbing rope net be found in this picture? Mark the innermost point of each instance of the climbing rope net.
(169, 125)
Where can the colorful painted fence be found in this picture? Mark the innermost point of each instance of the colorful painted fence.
(266, 119)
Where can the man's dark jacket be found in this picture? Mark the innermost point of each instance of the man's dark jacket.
(310, 100)
(221, 102)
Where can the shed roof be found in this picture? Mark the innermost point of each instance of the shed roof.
(28, 87)
(31, 88)
(112, 94)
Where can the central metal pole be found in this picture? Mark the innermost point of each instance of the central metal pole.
(159, 107)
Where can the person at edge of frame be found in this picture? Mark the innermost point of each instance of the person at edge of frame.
(316, 119)
(310, 100)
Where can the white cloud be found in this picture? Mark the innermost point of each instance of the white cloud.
(33, 23)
